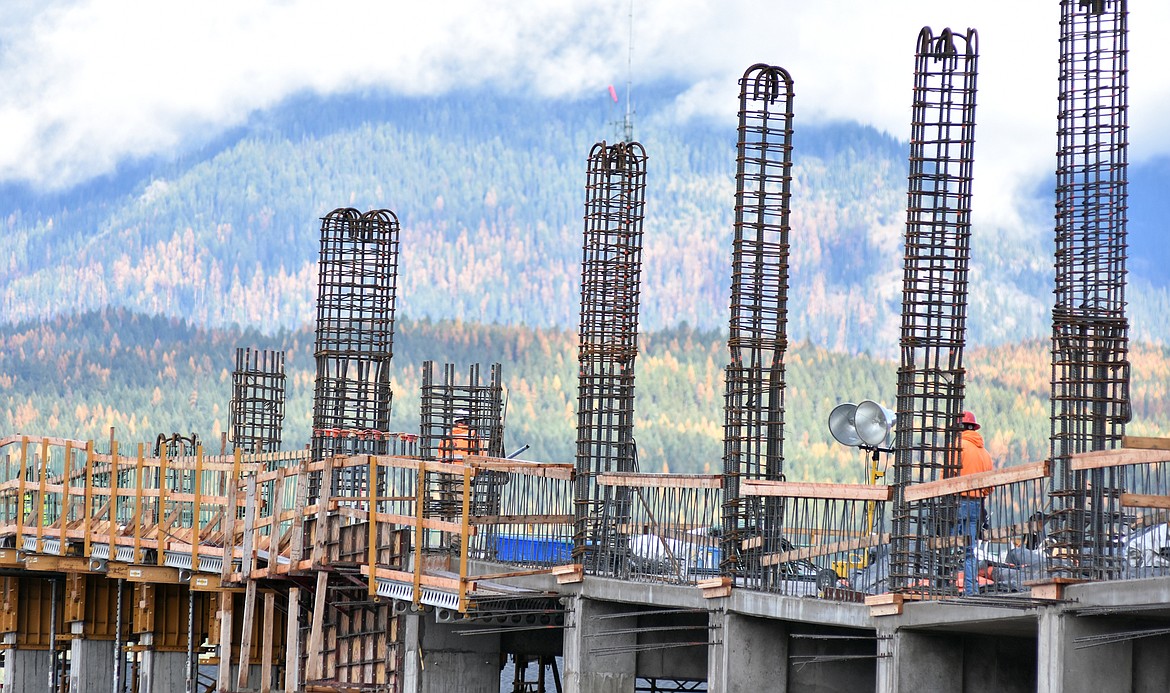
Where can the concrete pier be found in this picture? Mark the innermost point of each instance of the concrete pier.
(437, 659)
(91, 667)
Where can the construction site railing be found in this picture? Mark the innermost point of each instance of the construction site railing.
(816, 537)
(1133, 486)
(1010, 549)
(662, 527)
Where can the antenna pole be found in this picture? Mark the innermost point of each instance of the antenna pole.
(628, 124)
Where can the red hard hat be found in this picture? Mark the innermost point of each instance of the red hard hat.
(969, 419)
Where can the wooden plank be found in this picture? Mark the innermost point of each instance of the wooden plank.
(708, 481)
(1102, 459)
(266, 648)
(549, 470)
(973, 482)
(522, 520)
(226, 608)
(421, 578)
(800, 489)
(805, 553)
(251, 498)
(315, 655)
(403, 520)
(292, 641)
(246, 635)
(1143, 500)
(1145, 443)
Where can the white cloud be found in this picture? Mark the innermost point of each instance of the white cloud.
(93, 82)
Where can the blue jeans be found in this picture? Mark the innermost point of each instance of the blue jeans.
(970, 516)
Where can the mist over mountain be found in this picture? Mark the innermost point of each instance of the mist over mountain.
(489, 191)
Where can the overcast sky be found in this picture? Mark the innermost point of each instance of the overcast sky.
(89, 83)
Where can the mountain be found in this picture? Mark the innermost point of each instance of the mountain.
(77, 376)
(489, 191)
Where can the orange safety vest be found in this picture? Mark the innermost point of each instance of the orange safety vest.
(974, 458)
(463, 442)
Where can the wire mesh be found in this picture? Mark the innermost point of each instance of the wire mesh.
(611, 268)
(1090, 332)
(754, 401)
(666, 534)
(822, 536)
(358, 274)
(257, 407)
(934, 306)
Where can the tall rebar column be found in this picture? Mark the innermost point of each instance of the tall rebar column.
(358, 274)
(1090, 333)
(257, 408)
(611, 269)
(753, 434)
(934, 308)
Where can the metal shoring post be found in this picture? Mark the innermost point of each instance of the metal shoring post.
(119, 656)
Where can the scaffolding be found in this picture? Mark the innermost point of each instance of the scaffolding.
(257, 408)
(611, 268)
(1090, 333)
(934, 310)
(358, 270)
(754, 404)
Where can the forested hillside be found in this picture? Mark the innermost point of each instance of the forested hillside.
(78, 376)
(489, 191)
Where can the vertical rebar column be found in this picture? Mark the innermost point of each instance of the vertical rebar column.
(358, 274)
(753, 434)
(460, 420)
(1090, 333)
(611, 270)
(257, 409)
(934, 308)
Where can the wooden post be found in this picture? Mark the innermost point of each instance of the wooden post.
(324, 493)
(419, 503)
(251, 494)
(266, 650)
(226, 606)
(231, 519)
(372, 523)
(163, 525)
(67, 472)
(113, 514)
(85, 521)
(296, 549)
(20, 514)
(274, 524)
(246, 634)
(40, 496)
(196, 509)
(138, 506)
(292, 641)
(314, 669)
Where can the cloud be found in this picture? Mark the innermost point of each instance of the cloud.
(92, 83)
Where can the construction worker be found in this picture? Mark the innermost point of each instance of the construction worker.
(462, 442)
(973, 458)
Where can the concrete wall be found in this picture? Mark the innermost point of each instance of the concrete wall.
(27, 670)
(438, 660)
(586, 669)
(931, 660)
(91, 667)
(750, 654)
(162, 672)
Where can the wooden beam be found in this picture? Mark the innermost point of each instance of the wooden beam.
(226, 606)
(709, 481)
(974, 482)
(315, 656)
(1141, 500)
(805, 553)
(1145, 443)
(1101, 459)
(246, 635)
(799, 489)
(266, 648)
(292, 641)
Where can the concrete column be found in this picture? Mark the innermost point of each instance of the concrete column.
(28, 670)
(924, 662)
(438, 660)
(1063, 667)
(161, 672)
(749, 654)
(586, 672)
(91, 667)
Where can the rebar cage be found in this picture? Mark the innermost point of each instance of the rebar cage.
(460, 421)
(754, 399)
(257, 408)
(934, 308)
(358, 274)
(1090, 333)
(611, 268)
